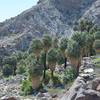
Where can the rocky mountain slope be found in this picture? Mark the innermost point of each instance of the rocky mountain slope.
(55, 17)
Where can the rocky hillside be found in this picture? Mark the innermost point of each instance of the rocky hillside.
(55, 17)
(93, 13)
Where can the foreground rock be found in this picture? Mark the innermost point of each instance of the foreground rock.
(10, 87)
(83, 90)
(86, 86)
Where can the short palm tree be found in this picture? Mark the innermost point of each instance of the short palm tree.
(80, 38)
(63, 46)
(35, 72)
(47, 43)
(74, 55)
(52, 59)
(36, 47)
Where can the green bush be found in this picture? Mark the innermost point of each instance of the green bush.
(21, 70)
(26, 87)
(21, 67)
(69, 75)
(7, 70)
(97, 62)
(47, 78)
(56, 80)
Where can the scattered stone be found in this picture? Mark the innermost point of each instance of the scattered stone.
(54, 95)
(40, 94)
(98, 88)
(8, 98)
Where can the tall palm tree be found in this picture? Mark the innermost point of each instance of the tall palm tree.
(52, 59)
(74, 54)
(36, 47)
(63, 47)
(47, 43)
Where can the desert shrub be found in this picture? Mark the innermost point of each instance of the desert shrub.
(26, 87)
(7, 70)
(56, 80)
(47, 78)
(69, 75)
(21, 67)
(97, 62)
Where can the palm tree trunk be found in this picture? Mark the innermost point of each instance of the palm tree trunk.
(52, 74)
(14, 71)
(65, 65)
(44, 74)
(78, 66)
(37, 58)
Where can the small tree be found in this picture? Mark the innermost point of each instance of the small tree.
(63, 47)
(52, 59)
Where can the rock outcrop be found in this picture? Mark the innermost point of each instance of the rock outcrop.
(85, 87)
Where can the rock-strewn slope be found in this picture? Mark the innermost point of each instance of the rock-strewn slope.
(93, 13)
(86, 86)
(48, 16)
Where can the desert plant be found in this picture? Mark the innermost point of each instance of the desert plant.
(35, 72)
(47, 43)
(26, 87)
(63, 47)
(69, 75)
(7, 70)
(74, 54)
(52, 59)
(36, 47)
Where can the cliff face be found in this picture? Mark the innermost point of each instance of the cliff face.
(48, 16)
(93, 13)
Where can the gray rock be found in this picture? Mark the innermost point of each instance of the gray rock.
(95, 83)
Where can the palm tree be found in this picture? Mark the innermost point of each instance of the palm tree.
(63, 47)
(55, 42)
(52, 59)
(85, 26)
(89, 44)
(36, 47)
(74, 54)
(80, 38)
(47, 43)
(35, 72)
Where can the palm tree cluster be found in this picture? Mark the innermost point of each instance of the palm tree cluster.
(49, 49)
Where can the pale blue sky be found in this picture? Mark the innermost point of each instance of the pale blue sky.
(11, 8)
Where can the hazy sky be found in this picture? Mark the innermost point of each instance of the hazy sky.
(11, 8)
